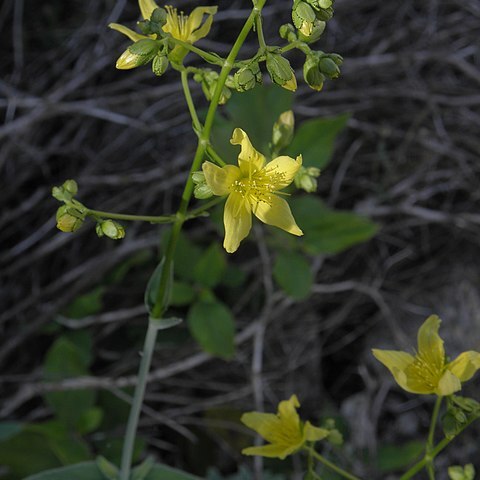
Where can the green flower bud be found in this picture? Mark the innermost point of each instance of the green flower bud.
(288, 32)
(306, 179)
(247, 77)
(159, 15)
(324, 14)
(69, 219)
(338, 59)
(66, 192)
(281, 72)
(71, 187)
(110, 229)
(201, 190)
(282, 134)
(328, 67)
(209, 79)
(320, 3)
(312, 74)
(159, 65)
(138, 54)
(303, 16)
(318, 29)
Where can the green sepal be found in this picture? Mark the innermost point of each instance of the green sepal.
(153, 286)
(164, 323)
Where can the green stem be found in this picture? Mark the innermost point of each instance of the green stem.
(209, 57)
(431, 435)
(433, 454)
(136, 408)
(261, 37)
(159, 306)
(331, 465)
(215, 156)
(206, 206)
(188, 97)
(128, 217)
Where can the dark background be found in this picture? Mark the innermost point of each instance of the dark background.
(408, 160)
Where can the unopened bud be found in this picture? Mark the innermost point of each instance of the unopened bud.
(328, 67)
(201, 190)
(320, 3)
(288, 32)
(138, 54)
(159, 15)
(303, 16)
(110, 229)
(306, 179)
(316, 33)
(71, 187)
(282, 133)
(312, 74)
(209, 79)
(69, 219)
(324, 14)
(281, 72)
(159, 65)
(247, 77)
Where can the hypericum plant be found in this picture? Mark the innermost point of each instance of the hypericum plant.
(255, 188)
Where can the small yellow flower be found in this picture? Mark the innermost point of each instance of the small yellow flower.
(428, 371)
(285, 432)
(252, 188)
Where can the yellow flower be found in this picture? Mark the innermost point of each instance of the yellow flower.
(285, 432)
(428, 371)
(251, 188)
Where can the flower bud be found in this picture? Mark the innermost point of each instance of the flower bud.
(306, 179)
(201, 190)
(320, 3)
(317, 30)
(159, 65)
(288, 32)
(209, 79)
(66, 192)
(303, 16)
(281, 72)
(247, 77)
(282, 133)
(312, 74)
(324, 14)
(159, 15)
(138, 54)
(110, 229)
(69, 219)
(328, 67)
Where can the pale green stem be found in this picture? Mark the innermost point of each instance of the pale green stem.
(128, 217)
(159, 307)
(215, 156)
(210, 58)
(261, 37)
(431, 435)
(331, 465)
(188, 97)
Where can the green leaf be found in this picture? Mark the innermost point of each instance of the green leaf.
(108, 469)
(87, 304)
(9, 429)
(65, 360)
(140, 472)
(292, 272)
(461, 473)
(392, 457)
(234, 276)
(164, 323)
(182, 294)
(329, 231)
(210, 267)
(153, 287)
(90, 471)
(90, 420)
(315, 140)
(212, 325)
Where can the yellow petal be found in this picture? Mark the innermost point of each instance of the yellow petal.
(267, 425)
(282, 171)
(448, 384)
(288, 415)
(134, 36)
(195, 20)
(272, 451)
(291, 84)
(465, 365)
(237, 219)
(147, 7)
(220, 179)
(202, 32)
(249, 159)
(397, 362)
(313, 434)
(277, 213)
(430, 345)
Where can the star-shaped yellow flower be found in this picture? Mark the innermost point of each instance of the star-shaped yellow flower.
(285, 432)
(187, 28)
(252, 188)
(428, 371)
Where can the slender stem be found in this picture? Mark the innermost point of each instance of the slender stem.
(435, 451)
(188, 97)
(330, 465)
(215, 156)
(206, 206)
(159, 306)
(209, 57)
(128, 217)
(431, 435)
(134, 416)
(261, 37)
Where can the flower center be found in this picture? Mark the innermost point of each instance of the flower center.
(429, 372)
(177, 24)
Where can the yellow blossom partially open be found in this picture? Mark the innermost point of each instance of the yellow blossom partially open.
(284, 431)
(252, 187)
(428, 371)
